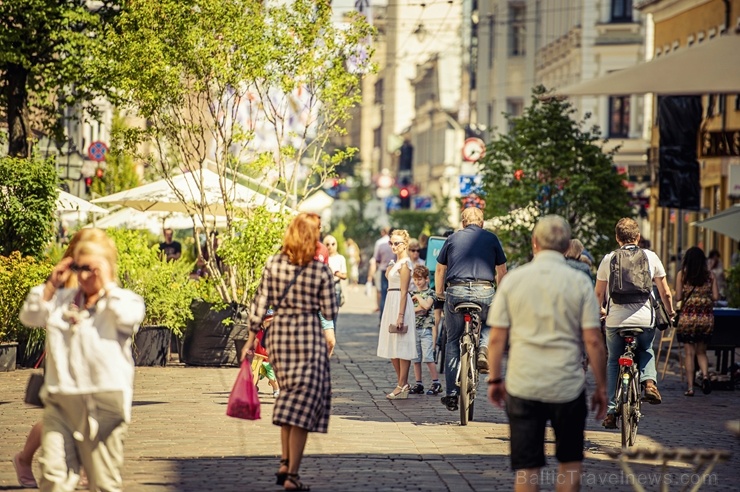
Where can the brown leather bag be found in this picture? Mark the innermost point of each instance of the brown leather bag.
(398, 328)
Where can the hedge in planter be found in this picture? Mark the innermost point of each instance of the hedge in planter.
(165, 286)
(17, 275)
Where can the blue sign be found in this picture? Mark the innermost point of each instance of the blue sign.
(422, 202)
(470, 184)
(392, 203)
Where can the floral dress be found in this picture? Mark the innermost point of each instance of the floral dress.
(696, 323)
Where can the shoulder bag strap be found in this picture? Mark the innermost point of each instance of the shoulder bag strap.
(287, 288)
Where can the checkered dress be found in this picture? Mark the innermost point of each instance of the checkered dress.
(295, 340)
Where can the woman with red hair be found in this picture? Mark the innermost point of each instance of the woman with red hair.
(297, 287)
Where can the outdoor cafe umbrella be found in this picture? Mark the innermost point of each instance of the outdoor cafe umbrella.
(67, 202)
(128, 218)
(200, 188)
(726, 222)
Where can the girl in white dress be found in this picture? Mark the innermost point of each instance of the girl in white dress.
(399, 348)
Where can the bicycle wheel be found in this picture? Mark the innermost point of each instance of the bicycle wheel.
(442, 350)
(626, 409)
(465, 402)
(634, 411)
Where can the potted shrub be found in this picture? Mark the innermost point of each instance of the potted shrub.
(17, 275)
(167, 291)
(266, 120)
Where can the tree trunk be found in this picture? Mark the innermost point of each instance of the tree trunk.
(19, 121)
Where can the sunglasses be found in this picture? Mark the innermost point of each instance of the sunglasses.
(397, 243)
(414, 250)
(331, 244)
(80, 268)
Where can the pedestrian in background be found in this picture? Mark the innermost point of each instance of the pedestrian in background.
(88, 384)
(423, 245)
(574, 258)
(297, 286)
(548, 312)
(415, 260)
(714, 263)
(353, 258)
(338, 266)
(171, 249)
(383, 255)
(398, 310)
(426, 331)
(696, 288)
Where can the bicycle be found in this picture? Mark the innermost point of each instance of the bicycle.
(627, 394)
(467, 376)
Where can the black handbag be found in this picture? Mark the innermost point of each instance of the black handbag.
(662, 321)
(33, 389)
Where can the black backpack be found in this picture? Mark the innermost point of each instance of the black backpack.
(629, 276)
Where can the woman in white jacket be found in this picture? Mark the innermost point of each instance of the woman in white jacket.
(88, 386)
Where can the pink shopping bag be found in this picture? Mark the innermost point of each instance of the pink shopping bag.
(243, 400)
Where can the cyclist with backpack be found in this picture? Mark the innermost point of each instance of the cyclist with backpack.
(624, 285)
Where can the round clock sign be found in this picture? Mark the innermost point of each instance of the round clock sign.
(473, 149)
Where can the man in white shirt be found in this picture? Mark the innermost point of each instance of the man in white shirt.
(548, 312)
(638, 314)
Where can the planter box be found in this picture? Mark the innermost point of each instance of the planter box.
(8, 351)
(151, 346)
(208, 341)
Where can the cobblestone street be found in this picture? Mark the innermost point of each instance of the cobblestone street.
(181, 440)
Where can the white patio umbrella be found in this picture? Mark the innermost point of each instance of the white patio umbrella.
(67, 202)
(726, 222)
(201, 187)
(316, 203)
(128, 218)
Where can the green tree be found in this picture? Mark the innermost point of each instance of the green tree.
(120, 170)
(240, 86)
(549, 163)
(28, 193)
(45, 54)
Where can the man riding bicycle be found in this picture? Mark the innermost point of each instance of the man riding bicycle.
(467, 265)
(630, 267)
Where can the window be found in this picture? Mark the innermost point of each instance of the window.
(489, 115)
(378, 137)
(619, 116)
(491, 39)
(379, 92)
(517, 30)
(621, 10)
(515, 108)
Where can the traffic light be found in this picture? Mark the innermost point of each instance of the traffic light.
(404, 194)
(88, 183)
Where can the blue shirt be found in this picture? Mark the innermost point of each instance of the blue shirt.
(471, 254)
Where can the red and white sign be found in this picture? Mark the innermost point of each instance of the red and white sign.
(97, 151)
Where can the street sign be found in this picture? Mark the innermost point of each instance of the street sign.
(470, 184)
(473, 149)
(97, 151)
(422, 202)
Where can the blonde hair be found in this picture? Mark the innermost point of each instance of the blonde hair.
(575, 249)
(89, 234)
(299, 242)
(99, 244)
(472, 215)
(403, 234)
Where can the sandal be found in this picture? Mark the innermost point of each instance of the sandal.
(281, 476)
(295, 480)
(706, 386)
(689, 392)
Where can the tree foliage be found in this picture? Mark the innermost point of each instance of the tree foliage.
(120, 170)
(45, 63)
(28, 193)
(243, 86)
(549, 163)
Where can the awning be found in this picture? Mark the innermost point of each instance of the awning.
(710, 67)
(726, 222)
